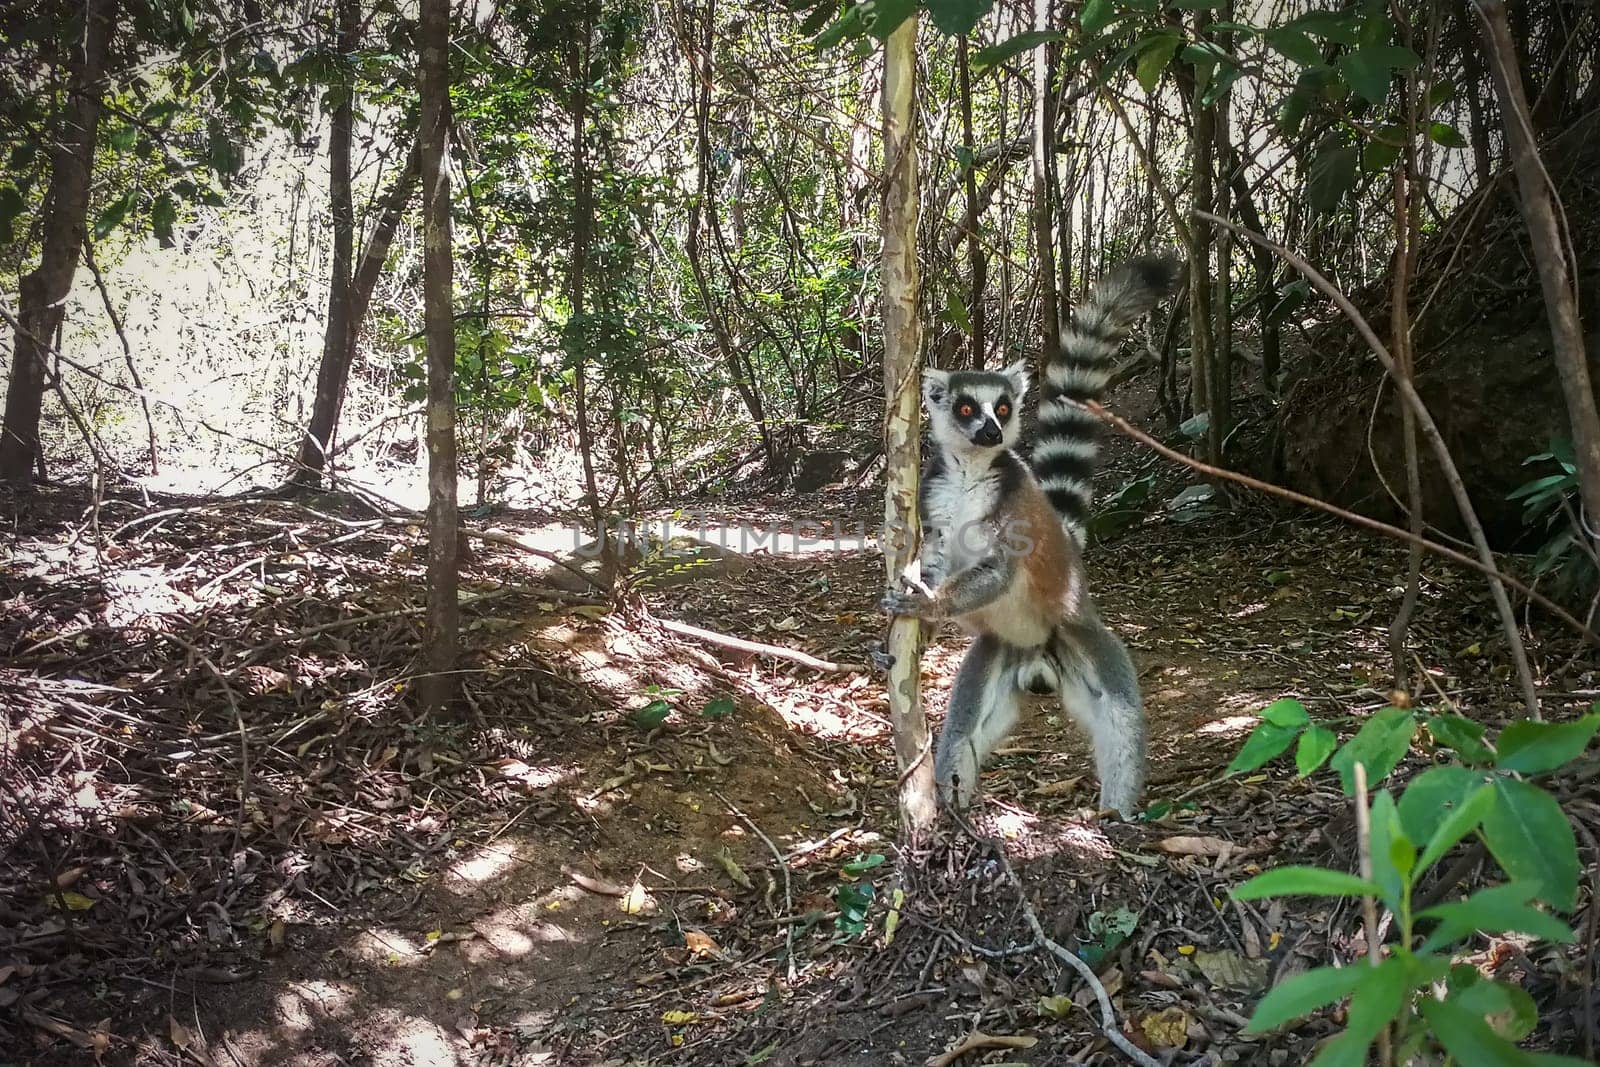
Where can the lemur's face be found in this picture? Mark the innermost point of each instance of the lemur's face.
(974, 411)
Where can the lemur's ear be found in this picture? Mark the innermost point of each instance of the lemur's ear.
(1018, 373)
(935, 385)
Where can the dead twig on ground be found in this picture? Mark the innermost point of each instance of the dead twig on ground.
(756, 648)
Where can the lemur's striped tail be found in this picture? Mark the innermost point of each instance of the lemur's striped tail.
(1067, 438)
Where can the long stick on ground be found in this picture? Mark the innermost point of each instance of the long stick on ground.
(793, 655)
(1430, 433)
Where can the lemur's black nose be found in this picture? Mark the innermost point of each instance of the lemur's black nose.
(989, 434)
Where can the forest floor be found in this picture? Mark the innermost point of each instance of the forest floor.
(231, 839)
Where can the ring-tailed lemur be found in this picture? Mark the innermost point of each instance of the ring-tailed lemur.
(1003, 542)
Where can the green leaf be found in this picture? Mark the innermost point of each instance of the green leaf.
(996, 54)
(1501, 909)
(163, 213)
(719, 708)
(652, 715)
(1461, 734)
(1340, 26)
(1468, 1038)
(957, 312)
(1377, 1000)
(818, 18)
(1393, 854)
(862, 864)
(1096, 15)
(1531, 839)
(113, 215)
(1292, 114)
(1304, 882)
(1294, 46)
(1154, 59)
(1431, 796)
(847, 26)
(1506, 1007)
(882, 17)
(957, 17)
(1333, 174)
(1370, 69)
(1529, 747)
(1442, 133)
(1286, 712)
(1467, 817)
(1380, 744)
(1316, 745)
(11, 205)
(1266, 742)
(1304, 994)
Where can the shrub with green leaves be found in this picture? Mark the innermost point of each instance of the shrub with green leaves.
(1430, 1001)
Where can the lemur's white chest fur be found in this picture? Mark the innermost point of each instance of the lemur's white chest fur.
(960, 500)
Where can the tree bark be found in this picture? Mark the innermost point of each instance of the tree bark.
(438, 686)
(333, 376)
(1553, 255)
(977, 264)
(1043, 207)
(578, 267)
(902, 342)
(43, 291)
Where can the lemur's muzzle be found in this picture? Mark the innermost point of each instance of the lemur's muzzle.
(989, 434)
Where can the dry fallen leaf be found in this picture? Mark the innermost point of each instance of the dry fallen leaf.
(1197, 846)
(1229, 970)
(980, 1040)
(1166, 1029)
(637, 901)
(701, 944)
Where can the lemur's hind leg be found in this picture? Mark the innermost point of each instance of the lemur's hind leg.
(983, 709)
(1100, 690)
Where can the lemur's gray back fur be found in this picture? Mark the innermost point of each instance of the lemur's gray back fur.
(1067, 438)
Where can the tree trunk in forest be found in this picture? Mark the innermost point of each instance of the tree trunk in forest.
(1266, 271)
(738, 372)
(333, 376)
(1200, 288)
(977, 265)
(317, 444)
(1553, 256)
(42, 296)
(438, 686)
(1044, 229)
(902, 343)
(578, 269)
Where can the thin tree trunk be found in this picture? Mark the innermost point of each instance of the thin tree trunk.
(977, 265)
(1201, 386)
(578, 268)
(43, 291)
(1553, 254)
(317, 444)
(438, 685)
(902, 342)
(1043, 207)
(333, 376)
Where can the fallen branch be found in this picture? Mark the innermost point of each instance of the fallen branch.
(978, 1041)
(1125, 427)
(793, 655)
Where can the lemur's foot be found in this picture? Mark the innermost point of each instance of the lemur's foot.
(880, 660)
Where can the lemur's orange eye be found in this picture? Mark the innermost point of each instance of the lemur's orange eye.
(1004, 411)
(965, 411)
